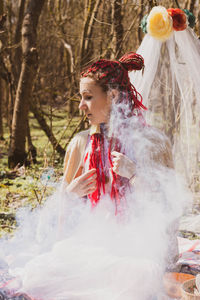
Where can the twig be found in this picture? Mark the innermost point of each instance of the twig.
(42, 196)
(7, 226)
(7, 216)
(176, 1)
(38, 200)
(75, 130)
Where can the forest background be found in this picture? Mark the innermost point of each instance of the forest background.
(44, 45)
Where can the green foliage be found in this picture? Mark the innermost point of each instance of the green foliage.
(31, 185)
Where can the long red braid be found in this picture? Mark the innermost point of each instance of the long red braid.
(113, 74)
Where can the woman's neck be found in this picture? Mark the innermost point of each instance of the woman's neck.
(99, 128)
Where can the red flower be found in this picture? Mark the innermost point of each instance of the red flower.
(179, 18)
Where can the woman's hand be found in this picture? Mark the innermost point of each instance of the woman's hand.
(84, 184)
(122, 165)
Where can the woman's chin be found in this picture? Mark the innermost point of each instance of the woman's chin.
(94, 122)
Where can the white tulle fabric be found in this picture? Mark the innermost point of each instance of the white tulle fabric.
(66, 250)
(100, 259)
(97, 255)
(82, 253)
(170, 87)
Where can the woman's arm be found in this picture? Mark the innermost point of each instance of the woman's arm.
(83, 184)
(157, 151)
(72, 161)
(78, 183)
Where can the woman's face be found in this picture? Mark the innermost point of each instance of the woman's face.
(94, 101)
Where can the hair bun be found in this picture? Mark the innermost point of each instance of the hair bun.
(132, 61)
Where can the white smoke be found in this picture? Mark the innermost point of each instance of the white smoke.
(66, 250)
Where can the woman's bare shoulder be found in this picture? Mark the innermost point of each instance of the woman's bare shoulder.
(74, 154)
(83, 134)
(80, 137)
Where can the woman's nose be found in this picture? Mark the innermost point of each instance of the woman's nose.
(83, 105)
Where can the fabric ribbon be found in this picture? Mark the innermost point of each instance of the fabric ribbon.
(95, 156)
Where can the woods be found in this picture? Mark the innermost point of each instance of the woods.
(43, 47)
(29, 67)
(142, 164)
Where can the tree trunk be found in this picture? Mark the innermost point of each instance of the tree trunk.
(108, 47)
(17, 40)
(6, 66)
(117, 28)
(86, 42)
(32, 151)
(45, 127)
(1, 92)
(192, 4)
(152, 3)
(17, 154)
(1, 114)
(141, 14)
(1, 7)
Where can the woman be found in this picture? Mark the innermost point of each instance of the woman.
(104, 85)
(122, 168)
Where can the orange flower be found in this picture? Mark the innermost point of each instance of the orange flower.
(179, 18)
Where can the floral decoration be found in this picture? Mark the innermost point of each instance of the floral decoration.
(159, 23)
(179, 18)
(144, 24)
(191, 18)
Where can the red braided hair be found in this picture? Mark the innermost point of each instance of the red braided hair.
(113, 74)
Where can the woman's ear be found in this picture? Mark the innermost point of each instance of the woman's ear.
(113, 95)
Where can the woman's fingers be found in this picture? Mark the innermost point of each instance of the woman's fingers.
(91, 179)
(90, 190)
(87, 177)
(89, 173)
(91, 184)
(115, 159)
(116, 154)
(84, 184)
(116, 165)
(115, 169)
(122, 165)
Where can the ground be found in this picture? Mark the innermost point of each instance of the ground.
(31, 185)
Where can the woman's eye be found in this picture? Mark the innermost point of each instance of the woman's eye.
(88, 97)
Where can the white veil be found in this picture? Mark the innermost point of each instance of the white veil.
(170, 87)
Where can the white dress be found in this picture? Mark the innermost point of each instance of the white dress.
(94, 254)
